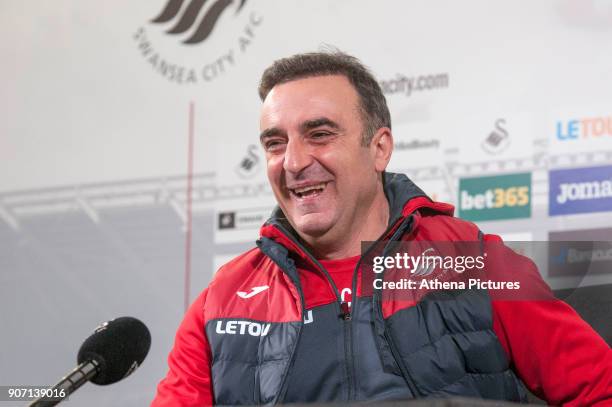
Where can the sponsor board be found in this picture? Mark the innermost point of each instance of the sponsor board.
(580, 130)
(416, 145)
(580, 190)
(584, 128)
(239, 225)
(580, 252)
(251, 218)
(407, 85)
(226, 220)
(495, 197)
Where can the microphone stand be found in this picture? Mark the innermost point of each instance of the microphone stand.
(72, 381)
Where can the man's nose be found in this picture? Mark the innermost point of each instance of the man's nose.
(297, 156)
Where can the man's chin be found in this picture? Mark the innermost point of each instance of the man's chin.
(312, 225)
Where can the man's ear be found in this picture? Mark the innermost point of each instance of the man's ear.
(382, 147)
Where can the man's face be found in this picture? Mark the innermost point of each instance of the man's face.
(323, 178)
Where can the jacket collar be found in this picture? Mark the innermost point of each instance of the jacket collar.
(403, 195)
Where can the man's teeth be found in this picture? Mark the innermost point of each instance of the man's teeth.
(306, 190)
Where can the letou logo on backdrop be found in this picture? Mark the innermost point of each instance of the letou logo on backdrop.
(193, 23)
(580, 190)
(584, 129)
(496, 197)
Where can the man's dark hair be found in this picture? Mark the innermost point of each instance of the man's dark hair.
(372, 102)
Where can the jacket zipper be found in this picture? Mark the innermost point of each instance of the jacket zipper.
(348, 331)
(405, 372)
(316, 262)
(379, 311)
(344, 313)
(283, 385)
(343, 309)
(348, 334)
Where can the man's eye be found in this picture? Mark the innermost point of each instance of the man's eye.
(273, 144)
(319, 134)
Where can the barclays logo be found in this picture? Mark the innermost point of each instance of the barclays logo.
(580, 252)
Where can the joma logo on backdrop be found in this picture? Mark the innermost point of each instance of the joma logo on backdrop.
(580, 190)
(194, 21)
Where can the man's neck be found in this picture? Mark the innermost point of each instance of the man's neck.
(368, 226)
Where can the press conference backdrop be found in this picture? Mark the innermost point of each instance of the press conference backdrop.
(130, 167)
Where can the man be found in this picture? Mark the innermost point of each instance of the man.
(290, 321)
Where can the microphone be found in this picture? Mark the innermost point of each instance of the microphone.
(111, 353)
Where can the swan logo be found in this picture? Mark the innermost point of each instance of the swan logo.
(192, 22)
(249, 164)
(186, 17)
(497, 140)
(428, 267)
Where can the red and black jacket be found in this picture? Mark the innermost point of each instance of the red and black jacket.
(294, 343)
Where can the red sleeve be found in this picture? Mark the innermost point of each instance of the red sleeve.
(559, 357)
(188, 382)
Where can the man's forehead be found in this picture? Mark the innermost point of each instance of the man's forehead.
(309, 98)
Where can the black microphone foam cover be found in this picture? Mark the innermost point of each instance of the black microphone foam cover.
(119, 346)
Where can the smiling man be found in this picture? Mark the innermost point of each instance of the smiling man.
(289, 321)
(325, 170)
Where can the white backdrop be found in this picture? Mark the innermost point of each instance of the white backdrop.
(95, 130)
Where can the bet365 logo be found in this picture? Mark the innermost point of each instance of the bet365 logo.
(494, 198)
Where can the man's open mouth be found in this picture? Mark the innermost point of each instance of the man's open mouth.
(308, 191)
